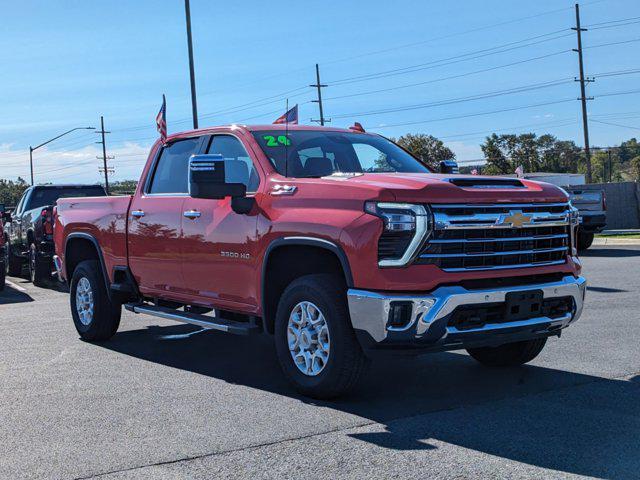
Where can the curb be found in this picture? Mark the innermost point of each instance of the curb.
(616, 241)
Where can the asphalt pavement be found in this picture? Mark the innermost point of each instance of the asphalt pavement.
(169, 401)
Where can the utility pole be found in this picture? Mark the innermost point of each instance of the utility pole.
(583, 96)
(104, 154)
(610, 165)
(194, 106)
(319, 86)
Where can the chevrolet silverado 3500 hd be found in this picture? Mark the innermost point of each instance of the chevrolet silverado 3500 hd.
(336, 241)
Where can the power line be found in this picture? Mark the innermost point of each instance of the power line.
(451, 35)
(475, 54)
(592, 25)
(521, 89)
(615, 124)
(503, 110)
(540, 125)
(633, 40)
(450, 77)
(477, 114)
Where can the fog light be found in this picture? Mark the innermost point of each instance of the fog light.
(399, 315)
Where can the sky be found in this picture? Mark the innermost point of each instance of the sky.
(457, 70)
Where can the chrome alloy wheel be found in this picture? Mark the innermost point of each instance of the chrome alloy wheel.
(84, 301)
(308, 338)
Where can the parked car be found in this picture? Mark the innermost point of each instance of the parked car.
(592, 206)
(337, 242)
(29, 229)
(590, 202)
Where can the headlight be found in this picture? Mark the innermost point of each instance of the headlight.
(405, 228)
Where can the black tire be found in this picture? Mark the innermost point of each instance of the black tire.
(585, 240)
(346, 362)
(13, 263)
(2, 275)
(39, 267)
(105, 319)
(510, 354)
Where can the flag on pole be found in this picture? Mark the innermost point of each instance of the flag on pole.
(161, 120)
(290, 117)
(520, 172)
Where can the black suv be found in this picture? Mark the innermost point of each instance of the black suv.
(29, 229)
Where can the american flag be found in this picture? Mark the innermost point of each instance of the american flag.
(161, 120)
(290, 117)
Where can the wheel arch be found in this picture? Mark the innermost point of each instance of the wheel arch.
(329, 258)
(79, 247)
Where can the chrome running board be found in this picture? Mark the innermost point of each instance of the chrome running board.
(210, 323)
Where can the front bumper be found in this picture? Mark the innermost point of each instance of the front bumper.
(429, 326)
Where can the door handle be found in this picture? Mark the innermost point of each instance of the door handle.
(137, 213)
(192, 214)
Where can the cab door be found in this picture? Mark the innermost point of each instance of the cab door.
(155, 218)
(219, 247)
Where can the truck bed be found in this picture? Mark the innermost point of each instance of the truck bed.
(104, 218)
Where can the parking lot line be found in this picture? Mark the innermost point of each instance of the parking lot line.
(15, 287)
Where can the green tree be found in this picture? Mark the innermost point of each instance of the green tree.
(123, 187)
(11, 191)
(635, 168)
(426, 147)
(504, 153)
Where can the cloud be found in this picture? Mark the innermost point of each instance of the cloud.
(78, 166)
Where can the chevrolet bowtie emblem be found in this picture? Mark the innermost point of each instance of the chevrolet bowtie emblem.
(515, 219)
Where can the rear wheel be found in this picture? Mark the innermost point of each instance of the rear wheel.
(2, 273)
(585, 239)
(95, 316)
(509, 354)
(39, 267)
(315, 343)
(13, 263)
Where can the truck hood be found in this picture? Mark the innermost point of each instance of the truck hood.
(450, 188)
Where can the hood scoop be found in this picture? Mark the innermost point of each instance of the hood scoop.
(486, 182)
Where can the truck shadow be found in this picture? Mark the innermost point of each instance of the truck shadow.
(526, 414)
(12, 295)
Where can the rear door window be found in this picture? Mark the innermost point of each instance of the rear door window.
(171, 173)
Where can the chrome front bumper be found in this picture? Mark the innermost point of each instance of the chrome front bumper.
(430, 314)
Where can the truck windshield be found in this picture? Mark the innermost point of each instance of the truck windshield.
(44, 197)
(313, 153)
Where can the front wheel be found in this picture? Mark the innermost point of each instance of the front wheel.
(509, 354)
(315, 343)
(585, 240)
(95, 316)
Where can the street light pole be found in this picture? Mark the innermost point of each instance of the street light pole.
(31, 149)
(194, 106)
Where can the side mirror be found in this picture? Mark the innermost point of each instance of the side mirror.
(207, 179)
(449, 166)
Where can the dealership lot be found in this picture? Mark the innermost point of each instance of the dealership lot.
(162, 400)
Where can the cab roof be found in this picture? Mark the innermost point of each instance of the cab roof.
(258, 128)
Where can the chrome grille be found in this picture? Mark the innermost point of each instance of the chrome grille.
(501, 236)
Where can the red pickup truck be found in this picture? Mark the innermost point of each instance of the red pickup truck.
(337, 242)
